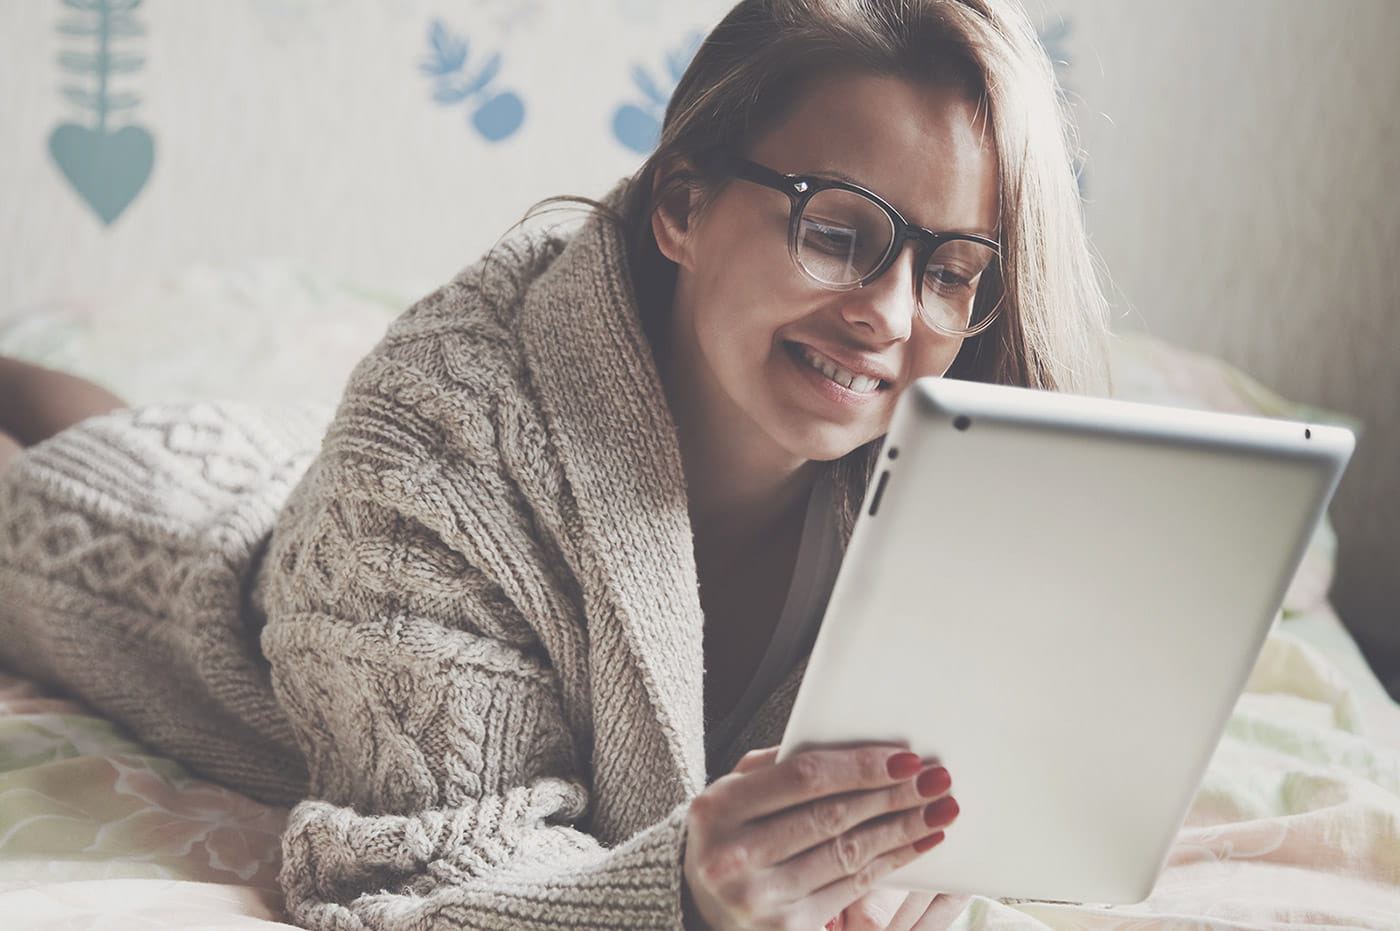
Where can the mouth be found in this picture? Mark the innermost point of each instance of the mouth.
(845, 378)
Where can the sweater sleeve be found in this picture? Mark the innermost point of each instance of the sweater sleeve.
(408, 585)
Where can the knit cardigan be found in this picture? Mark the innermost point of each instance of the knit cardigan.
(482, 622)
(483, 615)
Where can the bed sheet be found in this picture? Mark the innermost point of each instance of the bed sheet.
(1297, 822)
(95, 827)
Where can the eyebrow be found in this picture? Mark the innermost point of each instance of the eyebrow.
(842, 176)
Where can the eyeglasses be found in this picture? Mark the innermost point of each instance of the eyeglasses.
(843, 237)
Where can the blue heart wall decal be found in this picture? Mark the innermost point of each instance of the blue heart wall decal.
(108, 169)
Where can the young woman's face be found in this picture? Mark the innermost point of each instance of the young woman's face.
(757, 339)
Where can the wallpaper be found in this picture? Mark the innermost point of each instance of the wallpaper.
(391, 138)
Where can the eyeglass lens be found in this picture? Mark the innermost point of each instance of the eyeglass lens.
(842, 237)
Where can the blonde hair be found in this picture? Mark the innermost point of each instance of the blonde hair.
(754, 66)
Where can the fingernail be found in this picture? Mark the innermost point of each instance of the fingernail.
(928, 843)
(941, 812)
(933, 782)
(903, 765)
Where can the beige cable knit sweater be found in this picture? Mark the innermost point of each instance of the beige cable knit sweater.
(482, 626)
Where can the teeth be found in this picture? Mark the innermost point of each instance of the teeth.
(862, 384)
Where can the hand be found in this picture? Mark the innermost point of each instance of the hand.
(897, 910)
(788, 845)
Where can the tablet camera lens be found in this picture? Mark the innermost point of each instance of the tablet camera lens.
(962, 421)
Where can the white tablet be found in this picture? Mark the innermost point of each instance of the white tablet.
(1060, 598)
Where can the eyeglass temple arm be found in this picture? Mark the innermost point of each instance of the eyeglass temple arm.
(768, 177)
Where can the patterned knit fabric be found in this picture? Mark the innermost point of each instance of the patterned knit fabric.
(126, 547)
(482, 620)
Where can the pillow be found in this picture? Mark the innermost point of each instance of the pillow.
(262, 332)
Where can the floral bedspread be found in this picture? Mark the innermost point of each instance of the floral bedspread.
(1297, 821)
(88, 818)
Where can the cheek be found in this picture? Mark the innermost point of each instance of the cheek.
(742, 258)
(745, 300)
(933, 354)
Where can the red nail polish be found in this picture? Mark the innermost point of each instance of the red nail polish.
(904, 765)
(941, 812)
(928, 843)
(933, 782)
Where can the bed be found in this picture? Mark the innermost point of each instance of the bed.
(1297, 821)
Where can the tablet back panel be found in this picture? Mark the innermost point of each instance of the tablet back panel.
(1061, 598)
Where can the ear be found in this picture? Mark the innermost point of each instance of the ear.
(671, 221)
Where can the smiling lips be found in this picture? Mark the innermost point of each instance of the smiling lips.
(851, 381)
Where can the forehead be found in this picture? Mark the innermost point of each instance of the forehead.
(926, 149)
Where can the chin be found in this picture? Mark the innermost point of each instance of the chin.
(826, 445)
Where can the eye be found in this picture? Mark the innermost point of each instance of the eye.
(828, 238)
(954, 271)
(948, 279)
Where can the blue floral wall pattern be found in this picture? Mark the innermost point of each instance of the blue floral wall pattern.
(495, 115)
(638, 127)
(107, 166)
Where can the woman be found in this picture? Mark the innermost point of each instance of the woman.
(539, 602)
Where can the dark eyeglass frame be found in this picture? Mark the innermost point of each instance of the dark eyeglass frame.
(802, 188)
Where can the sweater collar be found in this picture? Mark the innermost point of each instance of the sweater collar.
(601, 391)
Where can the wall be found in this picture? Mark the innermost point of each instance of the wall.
(1241, 176)
(310, 128)
(1240, 173)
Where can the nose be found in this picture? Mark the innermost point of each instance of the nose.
(886, 306)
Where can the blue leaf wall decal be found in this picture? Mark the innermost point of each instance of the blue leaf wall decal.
(499, 116)
(83, 98)
(636, 128)
(78, 30)
(122, 101)
(647, 86)
(678, 59)
(448, 94)
(495, 115)
(78, 62)
(124, 63)
(448, 53)
(485, 76)
(639, 127)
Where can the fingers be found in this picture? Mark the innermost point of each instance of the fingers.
(897, 910)
(941, 913)
(851, 852)
(877, 910)
(910, 911)
(756, 759)
(801, 839)
(788, 833)
(803, 777)
(837, 895)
